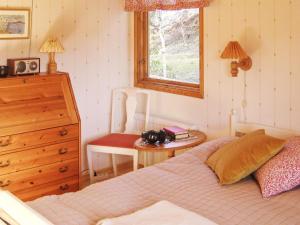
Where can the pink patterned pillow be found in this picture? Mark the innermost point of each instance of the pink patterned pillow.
(282, 172)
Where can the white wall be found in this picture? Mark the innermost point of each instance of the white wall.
(269, 31)
(95, 34)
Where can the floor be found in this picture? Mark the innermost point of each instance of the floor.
(107, 173)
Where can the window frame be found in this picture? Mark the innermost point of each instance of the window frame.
(141, 78)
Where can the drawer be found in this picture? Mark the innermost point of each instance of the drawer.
(36, 157)
(37, 176)
(53, 188)
(31, 139)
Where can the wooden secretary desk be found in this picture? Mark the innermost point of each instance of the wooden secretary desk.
(39, 136)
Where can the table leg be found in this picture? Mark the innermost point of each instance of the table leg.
(171, 154)
(152, 158)
(114, 163)
(145, 159)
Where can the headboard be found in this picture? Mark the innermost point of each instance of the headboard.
(238, 127)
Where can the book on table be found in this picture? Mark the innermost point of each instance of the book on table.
(181, 136)
(176, 132)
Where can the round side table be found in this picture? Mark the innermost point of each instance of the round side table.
(196, 138)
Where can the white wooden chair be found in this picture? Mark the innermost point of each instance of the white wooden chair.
(120, 143)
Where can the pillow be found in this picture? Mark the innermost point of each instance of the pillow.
(242, 157)
(282, 172)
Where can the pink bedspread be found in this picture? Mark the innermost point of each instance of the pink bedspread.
(184, 180)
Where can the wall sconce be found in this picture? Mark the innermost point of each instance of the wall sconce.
(234, 51)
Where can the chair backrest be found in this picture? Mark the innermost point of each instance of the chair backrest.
(131, 95)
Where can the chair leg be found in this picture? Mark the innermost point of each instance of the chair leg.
(90, 164)
(114, 164)
(135, 160)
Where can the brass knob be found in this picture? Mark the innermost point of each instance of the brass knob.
(5, 142)
(63, 169)
(5, 183)
(64, 187)
(63, 132)
(4, 164)
(62, 151)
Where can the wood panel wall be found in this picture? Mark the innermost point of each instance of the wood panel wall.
(95, 34)
(269, 31)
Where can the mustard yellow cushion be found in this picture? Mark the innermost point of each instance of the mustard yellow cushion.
(238, 159)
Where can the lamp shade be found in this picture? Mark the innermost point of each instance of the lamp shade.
(234, 51)
(52, 45)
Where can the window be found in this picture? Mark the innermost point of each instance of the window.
(169, 51)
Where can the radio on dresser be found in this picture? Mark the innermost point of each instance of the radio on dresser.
(23, 66)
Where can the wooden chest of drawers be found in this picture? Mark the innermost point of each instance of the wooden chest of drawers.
(39, 136)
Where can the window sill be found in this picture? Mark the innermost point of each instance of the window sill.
(192, 90)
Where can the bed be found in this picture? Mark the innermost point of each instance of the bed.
(185, 181)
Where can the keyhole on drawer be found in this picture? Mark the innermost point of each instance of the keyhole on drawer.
(40, 171)
(32, 183)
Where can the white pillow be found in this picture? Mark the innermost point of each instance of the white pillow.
(161, 213)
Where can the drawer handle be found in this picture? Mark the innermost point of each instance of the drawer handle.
(63, 169)
(4, 164)
(5, 183)
(63, 132)
(5, 142)
(64, 187)
(63, 151)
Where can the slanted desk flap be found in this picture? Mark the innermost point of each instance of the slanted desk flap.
(35, 102)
